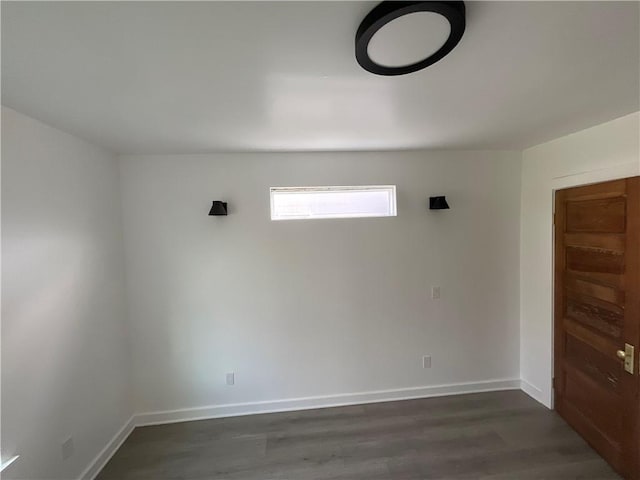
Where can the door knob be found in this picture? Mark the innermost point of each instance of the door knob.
(628, 356)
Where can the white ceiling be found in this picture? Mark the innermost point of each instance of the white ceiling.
(163, 77)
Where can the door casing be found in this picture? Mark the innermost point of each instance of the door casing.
(635, 307)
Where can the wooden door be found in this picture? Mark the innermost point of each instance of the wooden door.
(597, 312)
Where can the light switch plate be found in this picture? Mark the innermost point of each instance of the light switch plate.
(426, 361)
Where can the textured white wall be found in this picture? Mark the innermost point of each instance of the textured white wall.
(601, 153)
(318, 307)
(65, 356)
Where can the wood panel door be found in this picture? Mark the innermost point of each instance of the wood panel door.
(597, 312)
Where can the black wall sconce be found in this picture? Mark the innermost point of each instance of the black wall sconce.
(218, 208)
(438, 203)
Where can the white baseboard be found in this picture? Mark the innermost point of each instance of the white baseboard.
(533, 391)
(6, 464)
(107, 452)
(293, 404)
(306, 403)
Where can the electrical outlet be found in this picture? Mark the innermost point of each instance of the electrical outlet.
(435, 292)
(426, 361)
(231, 378)
(67, 448)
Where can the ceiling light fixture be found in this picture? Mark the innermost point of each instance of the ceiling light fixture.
(436, 27)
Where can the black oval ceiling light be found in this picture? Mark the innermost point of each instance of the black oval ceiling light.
(396, 38)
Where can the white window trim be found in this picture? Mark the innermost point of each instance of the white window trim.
(347, 188)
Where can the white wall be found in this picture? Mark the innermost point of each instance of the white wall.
(601, 153)
(65, 357)
(318, 307)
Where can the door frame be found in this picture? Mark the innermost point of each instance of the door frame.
(617, 172)
(571, 181)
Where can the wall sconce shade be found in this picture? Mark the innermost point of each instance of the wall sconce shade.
(218, 208)
(438, 203)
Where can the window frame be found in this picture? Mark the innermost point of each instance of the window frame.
(390, 189)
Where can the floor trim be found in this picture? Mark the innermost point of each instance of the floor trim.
(306, 403)
(533, 391)
(108, 451)
(4, 465)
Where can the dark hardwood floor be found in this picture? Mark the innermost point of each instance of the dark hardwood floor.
(498, 435)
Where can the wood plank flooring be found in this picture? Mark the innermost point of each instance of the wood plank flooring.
(488, 436)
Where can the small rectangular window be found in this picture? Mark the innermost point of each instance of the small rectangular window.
(294, 203)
